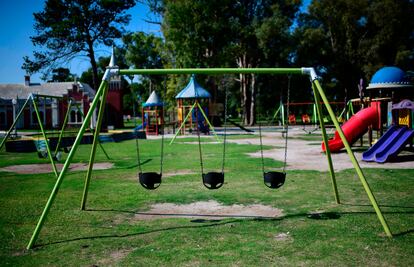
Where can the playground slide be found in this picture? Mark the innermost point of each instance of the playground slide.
(383, 142)
(140, 126)
(392, 145)
(353, 129)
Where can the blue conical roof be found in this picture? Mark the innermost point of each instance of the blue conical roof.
(153, 100)
(193, 90)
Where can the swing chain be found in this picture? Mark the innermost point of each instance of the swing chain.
(286, 125)
(286, 128)
(163, 124)
(225, 125)
(136, 132)
(261, 147)
(199, 139)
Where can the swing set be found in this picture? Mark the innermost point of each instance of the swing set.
(47, 152)
(213, 180)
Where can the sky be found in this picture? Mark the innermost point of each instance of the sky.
(16, 20)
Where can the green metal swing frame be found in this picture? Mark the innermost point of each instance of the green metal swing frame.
(100, 98)
(32, 99)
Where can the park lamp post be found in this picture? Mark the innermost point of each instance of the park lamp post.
(14, 102)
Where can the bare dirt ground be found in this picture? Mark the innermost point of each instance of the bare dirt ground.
(211, 210)
(301, 155)
(47, 168)
(305, 155)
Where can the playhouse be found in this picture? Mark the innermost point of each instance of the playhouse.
(396, 112)
(192, 109)
(389, 106)
(153, 114)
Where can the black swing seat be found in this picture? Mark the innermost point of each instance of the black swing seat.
(213, 180)
(274, 179)
(150, 180)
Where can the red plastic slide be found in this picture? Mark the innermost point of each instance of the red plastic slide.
(354, 128)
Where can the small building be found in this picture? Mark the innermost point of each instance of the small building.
(114, 100)
(52, 105)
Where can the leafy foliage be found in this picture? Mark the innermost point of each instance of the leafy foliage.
(349, 40)
(69, 28)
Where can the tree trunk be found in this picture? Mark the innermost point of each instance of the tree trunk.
(244, 92)
(91, 55)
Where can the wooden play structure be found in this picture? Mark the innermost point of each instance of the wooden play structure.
(192, 110)
(153, 114)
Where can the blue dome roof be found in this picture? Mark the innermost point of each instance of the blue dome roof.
(389, 77)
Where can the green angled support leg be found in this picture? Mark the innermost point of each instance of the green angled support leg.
(276, 113)
(354, 161)
(325, 141)
(65, 167)
(15, 122)
(208, 122)
(93, 149)
(182, 124)
(49, 152)
(92, 132)
(65, 121)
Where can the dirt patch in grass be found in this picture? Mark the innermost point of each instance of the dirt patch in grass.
(177, 172)
(283, 237)
(208, 210)
(115, 257)
(47, 168)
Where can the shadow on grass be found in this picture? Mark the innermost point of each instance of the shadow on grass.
(135, 165)
(217, 222)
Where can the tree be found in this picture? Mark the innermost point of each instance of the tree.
(227, 33)
(62, 75)
(349, 40)
(70, 28)
(144, 51)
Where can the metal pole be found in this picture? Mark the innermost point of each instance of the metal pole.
(65, 121)
(208, 122)
(49, 152)
(212, 71)
(65, 167)
(325, 141)
(14, 102)
(182, 124)
(92, 132)
(15, 122)
(354, 161)
(93, 149)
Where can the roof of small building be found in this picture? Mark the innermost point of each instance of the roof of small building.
(389, 77)
(193, 90)
(153, 101)
(58, 89)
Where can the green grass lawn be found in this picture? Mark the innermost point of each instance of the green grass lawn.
(108, 233)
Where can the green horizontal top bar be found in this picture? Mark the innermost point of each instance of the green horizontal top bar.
(212, 71)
